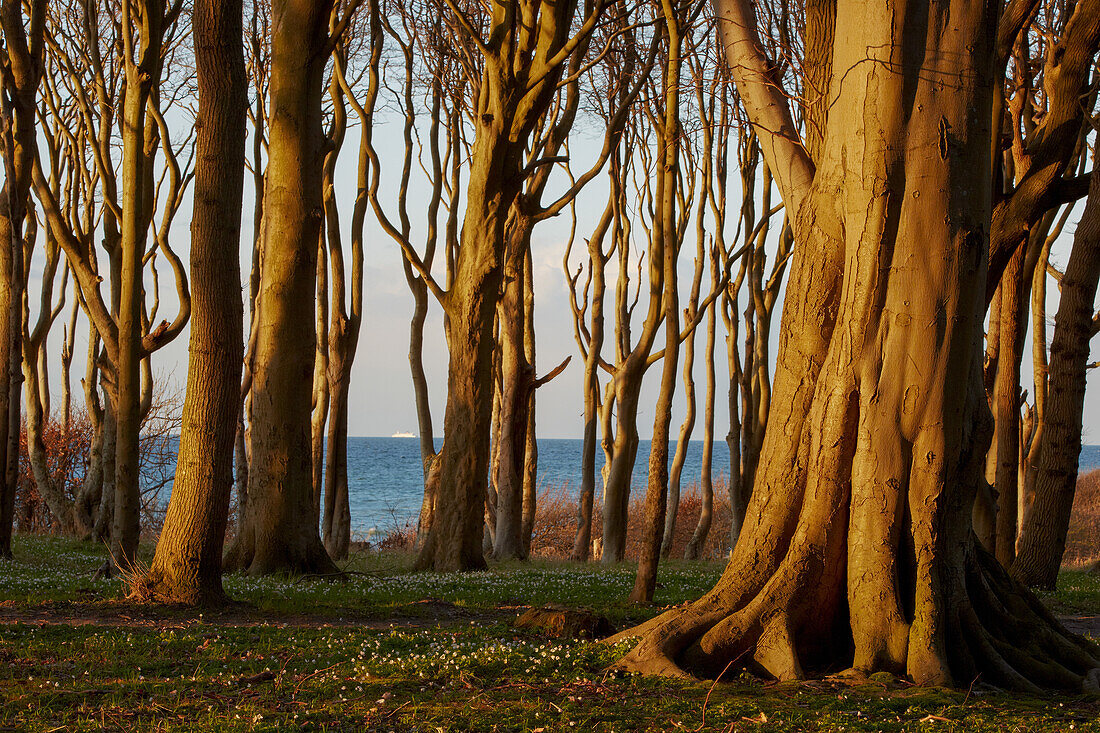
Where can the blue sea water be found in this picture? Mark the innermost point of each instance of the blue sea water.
(385, 480)
(386, 483)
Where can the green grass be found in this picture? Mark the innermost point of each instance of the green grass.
(369, 654)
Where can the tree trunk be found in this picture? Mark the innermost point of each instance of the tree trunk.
(320, 406)
(582, 542)
(455, 536)
(10, 378)
(879, 427)
(531, 449)
(319, 412)
(1043, 540)
(187, 567)
(337, 516)
(627, 383)
(682, 443)
(279, 531)
(698, 541)
(665, 227)
(87, 500)
(22, 50)
(1006, 408)
(516, 385)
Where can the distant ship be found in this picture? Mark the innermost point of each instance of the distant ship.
(402, 435)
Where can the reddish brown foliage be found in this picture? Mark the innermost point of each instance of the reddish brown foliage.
(67, 460)
(1083, 538)
(556, 524)
(65, 457)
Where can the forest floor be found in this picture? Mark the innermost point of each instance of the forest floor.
(386, 649)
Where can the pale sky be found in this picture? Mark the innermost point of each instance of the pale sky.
(381, 394)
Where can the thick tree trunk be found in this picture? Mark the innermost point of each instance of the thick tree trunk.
(1006, 408)
(22, 50)
(187, 566)
(454, 540)
(516, 385)
(627, 384)
(279, 531)
(1043, 540)
(10, 377)
(879, 427)
(694, 549)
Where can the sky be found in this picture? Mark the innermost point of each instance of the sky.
(381, 400)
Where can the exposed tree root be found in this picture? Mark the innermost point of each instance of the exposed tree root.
(996, 634)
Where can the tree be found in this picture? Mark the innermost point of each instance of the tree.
(1043, 540)
(1040, 123)
(430, 53)
(20, 73)
(858, 547)
(520, 71)
(346, 318)
(278, 530)
(188, 561)
(128, 70)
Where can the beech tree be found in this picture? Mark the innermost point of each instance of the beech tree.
(1043, 537)
(21, 65)
(858, 548)
(188, 561)
(1040, 122)
(429, 61)
(140, 48)
(521, 64)
(278, 530)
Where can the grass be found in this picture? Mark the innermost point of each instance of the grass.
(373, 654)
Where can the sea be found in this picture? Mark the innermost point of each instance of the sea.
(386, 483)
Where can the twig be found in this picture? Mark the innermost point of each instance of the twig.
(309, 676)
(714, 684)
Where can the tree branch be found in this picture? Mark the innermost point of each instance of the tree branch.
(765, 102)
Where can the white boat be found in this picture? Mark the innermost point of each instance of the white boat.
(402, 435)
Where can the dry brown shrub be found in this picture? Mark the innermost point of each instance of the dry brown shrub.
(556, 522)
(66, 452)
(1083, 537)
(67, 460)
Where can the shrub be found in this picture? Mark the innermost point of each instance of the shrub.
(1083, 537)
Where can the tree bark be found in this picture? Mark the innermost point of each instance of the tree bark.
(278, 531)
(1043, 539)
(187, 566)
(1006, 408)
(19, 80)
(879, 422)
(517, 83)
